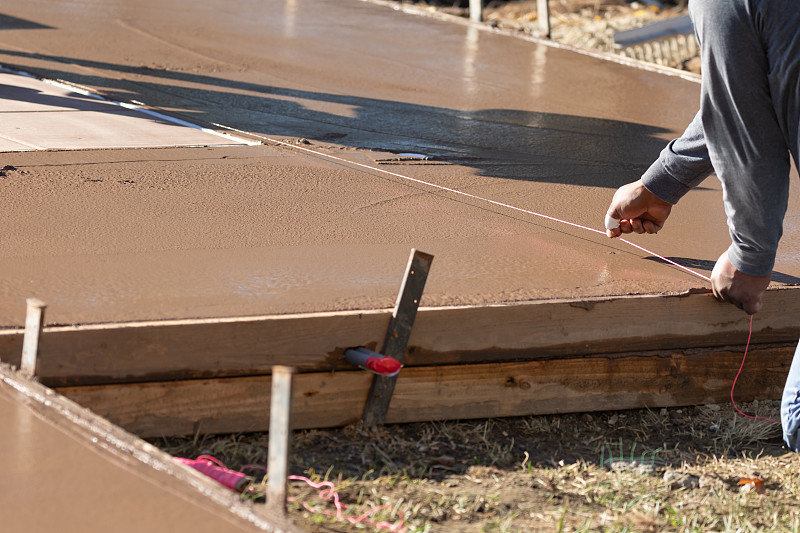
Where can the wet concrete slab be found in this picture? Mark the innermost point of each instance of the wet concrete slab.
(69, 471)
(117, 235)
(52, 116)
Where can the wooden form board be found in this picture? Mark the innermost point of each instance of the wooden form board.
(329, 399)
(194, 349)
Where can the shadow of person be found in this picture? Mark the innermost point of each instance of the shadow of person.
(497, 142)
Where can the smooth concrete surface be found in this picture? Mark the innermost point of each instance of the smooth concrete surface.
(117, 235)
(47, 116)
(69, 471)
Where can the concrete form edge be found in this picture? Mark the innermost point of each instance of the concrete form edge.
(125, 445)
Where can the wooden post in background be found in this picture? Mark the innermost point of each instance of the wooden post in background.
(543, 14)
(280, 433)
(476, 10)
(33, 330)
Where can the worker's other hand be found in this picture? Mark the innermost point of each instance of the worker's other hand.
(638, 210)
(732, 286)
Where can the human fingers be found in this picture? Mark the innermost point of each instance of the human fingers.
(752, 306)
(637, 226)
(612, 226)
(651, 226)
(744, 297)
(625, 226)
(744, 302)
(623, 206)
(719, 294)
(719, 279)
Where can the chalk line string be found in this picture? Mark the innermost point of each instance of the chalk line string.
(521, 210)
(216, 470)
(749, 336)
(327, 491)
(467, 195)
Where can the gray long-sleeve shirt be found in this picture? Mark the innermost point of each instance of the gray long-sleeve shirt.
(682, 165)
(749, 122)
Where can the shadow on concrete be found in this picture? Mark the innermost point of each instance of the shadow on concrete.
(708, 266)
(7, 22)
(71, 102)
(502, 143)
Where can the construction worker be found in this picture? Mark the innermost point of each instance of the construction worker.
(747, 127)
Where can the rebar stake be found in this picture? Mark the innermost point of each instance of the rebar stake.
(395, 343)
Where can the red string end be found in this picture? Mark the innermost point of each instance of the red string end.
(747, 347)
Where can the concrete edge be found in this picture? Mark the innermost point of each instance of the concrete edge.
(96, 432)
(445, 17)
(580, 302)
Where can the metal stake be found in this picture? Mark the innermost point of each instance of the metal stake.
(33, 331)
(396, 341)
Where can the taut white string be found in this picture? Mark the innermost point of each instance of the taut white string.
(468, 195)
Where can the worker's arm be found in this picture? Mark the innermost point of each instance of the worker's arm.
(748, 107)
(644, 205)
(681, 166)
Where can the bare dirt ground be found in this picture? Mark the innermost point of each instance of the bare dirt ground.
(691, 469)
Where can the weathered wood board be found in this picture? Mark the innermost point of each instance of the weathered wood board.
(329, 399)
(192, 349)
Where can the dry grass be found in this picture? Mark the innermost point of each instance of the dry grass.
(667, 470)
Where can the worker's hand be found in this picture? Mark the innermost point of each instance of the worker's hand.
(740, 289)
(638, 210)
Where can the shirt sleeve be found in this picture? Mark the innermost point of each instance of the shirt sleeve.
(682, 165)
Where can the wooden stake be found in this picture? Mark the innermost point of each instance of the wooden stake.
(543, 14)
(33, 330)
(280, 430)
(476, 10)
